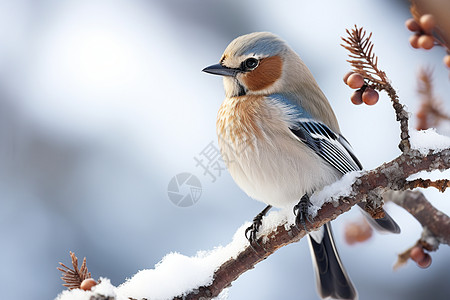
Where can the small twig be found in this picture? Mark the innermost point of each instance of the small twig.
(435, 224)
(431, 112)
(365, 62)
(74, 277)
(434, 220)
(362, 59)
(440, 184)
(402, 117)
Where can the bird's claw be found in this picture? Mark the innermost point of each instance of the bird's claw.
(252, 230)
(301, 212)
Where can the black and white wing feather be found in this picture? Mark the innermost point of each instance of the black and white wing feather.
(332, 147)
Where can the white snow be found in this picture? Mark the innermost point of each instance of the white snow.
(426, 140)
(333, 192)
(174, 275)
(177, 274)
(433, 175)
(104, 288)
(76, 294)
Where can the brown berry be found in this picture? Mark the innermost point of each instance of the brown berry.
(351, 232)
(370, 96)
(427, 23)
(412, 25)
(417, 253)
(421, 114)
(87, 284)
(356, 97)
(357, 232)
(447, 60)
(425, 262)
(426, 41)
(347, 75)
(355, 81)
(414, 41)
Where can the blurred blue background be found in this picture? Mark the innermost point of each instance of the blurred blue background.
(103, 102)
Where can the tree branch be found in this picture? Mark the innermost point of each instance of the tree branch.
(435, 221)
(389, 176)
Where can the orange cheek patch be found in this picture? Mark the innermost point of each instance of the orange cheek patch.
(268, 71)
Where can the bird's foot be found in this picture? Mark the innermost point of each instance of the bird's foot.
(251, 231)
(301, 212)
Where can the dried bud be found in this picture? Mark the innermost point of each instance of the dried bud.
(425, 262)
(426, 41)
(427, 23)
(417, 254)
(347, 75)
(356, 97)
(355, 81)
(370, 96)
(447, 60)
(412, 25)
(87, 284)
(357, 232)
(414, 41)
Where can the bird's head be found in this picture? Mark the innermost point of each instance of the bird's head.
(259, 63)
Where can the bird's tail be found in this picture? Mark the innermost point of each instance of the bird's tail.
(331, 278)
(385, 224)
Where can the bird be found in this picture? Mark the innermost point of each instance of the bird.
(281, 142)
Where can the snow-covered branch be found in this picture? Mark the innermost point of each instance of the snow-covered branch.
(207, 274)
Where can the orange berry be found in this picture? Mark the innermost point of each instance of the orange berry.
(414, 41)
(355, 81)
(425, 262)
(421, 114)
(370, 96)
(417, 254)
(357, 232)
(356, 97)
(87, 284)
(427, 22)
(347, 75)
(412, 25)
(426, 41)
(365, 232)
(447, 60)
(351, 233)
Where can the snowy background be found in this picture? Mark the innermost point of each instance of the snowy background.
(102, 103)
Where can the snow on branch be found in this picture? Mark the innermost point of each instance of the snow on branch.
(206, 275)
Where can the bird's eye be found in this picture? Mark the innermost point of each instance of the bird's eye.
(251, 63)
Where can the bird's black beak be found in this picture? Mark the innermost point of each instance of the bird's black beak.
(218, 69)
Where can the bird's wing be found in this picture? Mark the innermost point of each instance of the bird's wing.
(332, 147)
